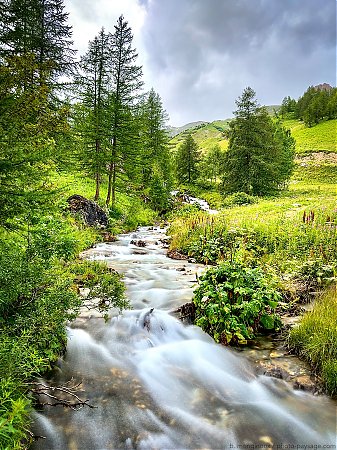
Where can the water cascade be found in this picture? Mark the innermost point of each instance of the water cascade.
(158, 384)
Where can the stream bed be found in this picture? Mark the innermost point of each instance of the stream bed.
(159, 384)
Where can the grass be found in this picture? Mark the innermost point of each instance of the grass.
(315, 339)
(321, 137)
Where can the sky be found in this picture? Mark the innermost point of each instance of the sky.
(199, 55)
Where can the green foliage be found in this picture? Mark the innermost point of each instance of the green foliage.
(315, 339)
(187, 159)
(234, 302)
(104, 284)
(159, 193)
(92, 121)
(128, 213)
(38, 296)
(155, 156)
(316, 272)
(270, 231)
(211, 165)
(125, 78)
(260, 154)
(239, 198)
(14, 415)
(29, 129)
(317, 104)
(288, 106)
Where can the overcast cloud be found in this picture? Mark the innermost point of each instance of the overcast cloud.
(199, 55)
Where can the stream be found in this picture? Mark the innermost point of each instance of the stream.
(159, 384)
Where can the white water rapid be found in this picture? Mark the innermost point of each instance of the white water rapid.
(158, 384)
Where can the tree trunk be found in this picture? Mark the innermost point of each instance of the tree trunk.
(97, 175)
(111, 195)
(98, 182)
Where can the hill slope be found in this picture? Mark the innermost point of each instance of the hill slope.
(321, 137)
(206, 135)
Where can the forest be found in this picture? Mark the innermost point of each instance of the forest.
(85, 125)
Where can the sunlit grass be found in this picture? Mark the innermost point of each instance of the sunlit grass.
(317, 138)
(315, 338)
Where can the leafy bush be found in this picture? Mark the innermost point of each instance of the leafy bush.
(234, 302)
(316, 272)
(239, 198)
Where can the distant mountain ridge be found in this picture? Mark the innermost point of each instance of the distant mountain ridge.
(173, 131)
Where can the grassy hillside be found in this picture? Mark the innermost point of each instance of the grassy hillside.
(321, 137)
(206, 135)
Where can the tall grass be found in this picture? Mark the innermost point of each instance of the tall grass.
(248, 232)
(315, 339)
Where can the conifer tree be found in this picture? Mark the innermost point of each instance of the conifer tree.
(260, 154)
(187, 159)
(211, 164)
(38, 27)
(92, 115)
(156, 161)
(126, 84)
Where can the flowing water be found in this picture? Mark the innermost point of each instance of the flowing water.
(158, 384)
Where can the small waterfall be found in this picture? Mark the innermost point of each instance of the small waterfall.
(158, 384)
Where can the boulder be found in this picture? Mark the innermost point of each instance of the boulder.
(92, 214)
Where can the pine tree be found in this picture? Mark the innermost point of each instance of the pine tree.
(92, 115)
(155, 160)
(211, 164)
(28, 126)
(38, 27)
(187, 159)
(258, 149)
(126, 84)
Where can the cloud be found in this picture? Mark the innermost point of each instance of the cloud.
(87, 17)
(211, 50)
(200, 54)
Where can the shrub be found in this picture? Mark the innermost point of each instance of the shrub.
(239, 198)
(234, 302)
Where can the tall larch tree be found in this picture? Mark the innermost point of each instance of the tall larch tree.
(30, 120)
(156, 161)
(40, 28)
(92, 114)
(126, 85)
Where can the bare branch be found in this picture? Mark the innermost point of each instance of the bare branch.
(64, 395)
